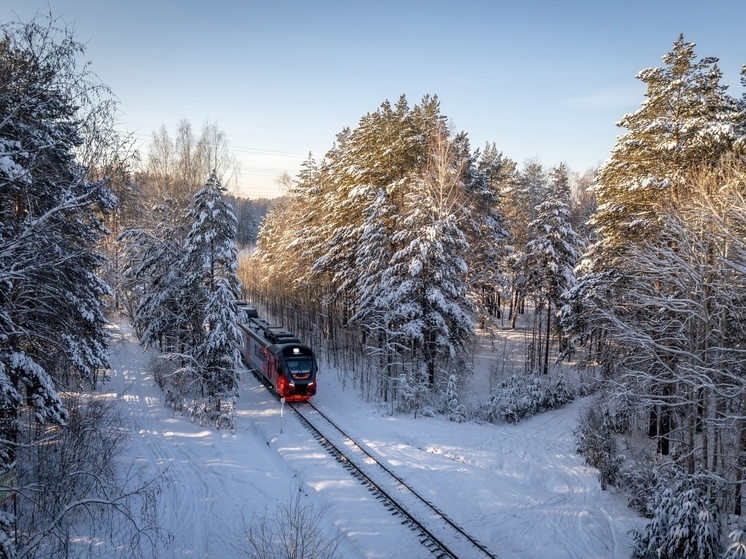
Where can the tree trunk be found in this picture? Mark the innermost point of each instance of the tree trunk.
(653, 422)
(546, 341)
(514, 302)
(691, 436)
(741, 458)
(664, 427)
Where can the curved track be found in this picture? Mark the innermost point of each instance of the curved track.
(440, 535)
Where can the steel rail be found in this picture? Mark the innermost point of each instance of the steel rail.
(435, 544)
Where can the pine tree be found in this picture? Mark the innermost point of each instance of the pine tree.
(372, 260)
(686, 122)
(521, 197)
(424, 287)
(486, 231)
(684, 129)
(374, 159)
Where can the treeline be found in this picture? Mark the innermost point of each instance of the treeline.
(402, 239)
(659, 307)
(88, 229)
(393, 247)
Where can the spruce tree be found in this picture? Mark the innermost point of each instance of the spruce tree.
(553, 252)
(212, 287)
(154, 272)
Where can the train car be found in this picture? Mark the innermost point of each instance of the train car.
(278, 356)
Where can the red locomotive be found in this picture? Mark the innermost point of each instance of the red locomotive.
(278, 356)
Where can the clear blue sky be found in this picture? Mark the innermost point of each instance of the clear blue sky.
(541, 79)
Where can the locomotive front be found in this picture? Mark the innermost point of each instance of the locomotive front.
(278, 356)
(298, 381)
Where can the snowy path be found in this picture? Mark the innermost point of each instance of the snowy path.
(212, 480)
(520, 489)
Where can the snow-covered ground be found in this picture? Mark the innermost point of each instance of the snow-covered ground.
(520, 489)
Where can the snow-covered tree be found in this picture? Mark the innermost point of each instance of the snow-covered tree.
(376, 241)
(686, 122)
(652, 267)
(685, 525)
(52, 326)
(675, 335)
(521, 197)
(413, 390)
(212, 286)
(369, 173)
(491, 174)
(186, 285)
(371, 261)
(217, 356)
(51, 319)
(454, 408)
(553, 251)
(424, 288)
(154, 280)
(736, 550)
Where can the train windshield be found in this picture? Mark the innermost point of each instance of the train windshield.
(300, 361)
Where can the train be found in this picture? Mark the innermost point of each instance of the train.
(277, 356)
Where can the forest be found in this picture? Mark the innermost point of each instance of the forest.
(390, 254)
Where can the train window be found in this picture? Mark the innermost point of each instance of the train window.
(259, 352)
(302, 365)
(299, 360)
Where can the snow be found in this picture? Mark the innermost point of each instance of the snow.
(519, 489)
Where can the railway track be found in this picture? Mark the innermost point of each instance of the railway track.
(443, 537)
